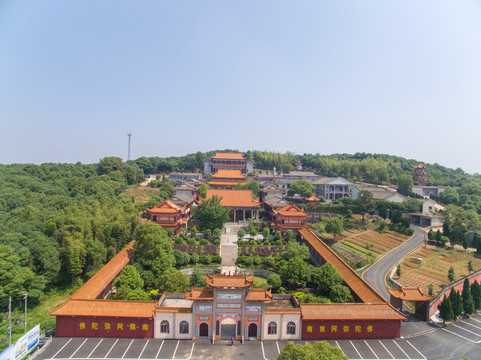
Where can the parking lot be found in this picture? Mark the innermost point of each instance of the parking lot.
(467, 329)
(95, 348)
(457, 340)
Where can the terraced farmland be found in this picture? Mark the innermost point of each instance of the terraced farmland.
(434, 267)
(370, 242)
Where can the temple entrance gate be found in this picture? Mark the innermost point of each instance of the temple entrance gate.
(228, 329)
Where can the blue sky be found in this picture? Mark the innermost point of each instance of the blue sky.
(402, 78)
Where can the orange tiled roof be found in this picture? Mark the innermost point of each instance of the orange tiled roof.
(97, 283)
(291, 210)
(224, 183)
(378, 311)
(410, 294)
(167, 207)
(229, 156)
(229, 281)
(199, 294)
(313, 198)
(234, 198)
(233, 174)
(361, 288)
(118, 308)
(420, 166)
(258, 295)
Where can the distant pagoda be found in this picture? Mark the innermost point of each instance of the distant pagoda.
(420, 174)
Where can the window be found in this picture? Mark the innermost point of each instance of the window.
(164, 327)
(291, 328)
(272, 328)
(184, 327)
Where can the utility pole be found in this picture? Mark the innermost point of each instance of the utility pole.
(128, 154)
(25, 316)
(9, 320)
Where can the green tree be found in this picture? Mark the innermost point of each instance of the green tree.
(468, 303)
(153, 248)
(326, 277)
(405, 184)
(446, 309)
(456, 302)
(197, 278)
(465, 243)
(266, 232)
(431, 289)
(318, 350)
(470, 266)
(451, 274)
(341, 294)
(173, 280)
(274, 280)
(203, 190)
(129, 278)
(296, 250)
(476, 293)
(334, 225)
(301, 187)
(295, 272)
(399, 271)
(211, 214)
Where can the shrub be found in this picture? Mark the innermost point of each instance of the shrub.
(204, 242)
(216, 259)
(194, 258)
(179, 240)
(216, 242)
(252, 242)
(191, 241)
(274, 280)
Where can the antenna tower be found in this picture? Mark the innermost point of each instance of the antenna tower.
(128, 154)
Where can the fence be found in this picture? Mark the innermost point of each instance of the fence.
(458, 285)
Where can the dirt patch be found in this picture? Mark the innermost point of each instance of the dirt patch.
(142, 193)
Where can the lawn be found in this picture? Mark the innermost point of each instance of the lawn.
(434, 267)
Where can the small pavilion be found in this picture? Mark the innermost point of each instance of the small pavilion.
(414, 294)
(289, 217)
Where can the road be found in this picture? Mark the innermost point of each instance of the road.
(376, 274)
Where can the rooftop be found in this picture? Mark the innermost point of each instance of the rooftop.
(167, 207)
(229, 281)
(379, 311)
(228, 156)
(231, 174)
(291, 210)
(233, 198)
(97, 283)
(199, 294)
(410, 294)
(117, 308)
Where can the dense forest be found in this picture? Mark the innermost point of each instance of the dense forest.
(59, 223)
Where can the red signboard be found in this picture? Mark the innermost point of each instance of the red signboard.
(350, 329)
(119, 327)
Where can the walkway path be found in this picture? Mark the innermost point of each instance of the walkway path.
(376, 274)
(228, 248)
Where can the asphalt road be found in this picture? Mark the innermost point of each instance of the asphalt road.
(375, 274)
